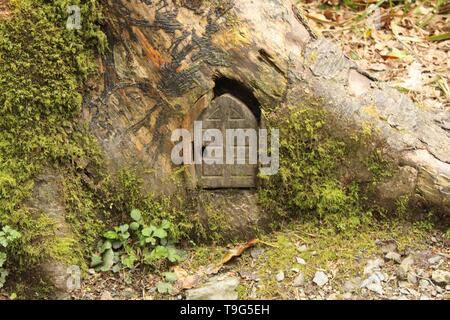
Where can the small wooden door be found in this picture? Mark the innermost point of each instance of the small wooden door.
(227, 112)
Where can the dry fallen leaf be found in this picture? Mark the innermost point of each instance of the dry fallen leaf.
(236, 252)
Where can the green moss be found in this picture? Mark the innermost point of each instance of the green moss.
(328, 168)
(42, 69)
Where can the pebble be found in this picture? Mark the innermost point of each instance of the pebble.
(411, 277)
(299, 280)
(300, 261)
(302, 248)
(320, 278)
(394, 256)
(106, 295)
(352, 285)
(435, 259)
(441, 277)
(280, 276)
(404, 267)
(373, 265)
(424, 283)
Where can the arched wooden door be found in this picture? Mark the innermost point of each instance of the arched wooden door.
(227, 112)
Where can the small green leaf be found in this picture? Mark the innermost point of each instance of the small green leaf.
(165, 224)
(111, 235)
(134, 226)
(108, 260)
(147, 232)
(105, 246)
(2, 258)
(116, 268)
(116, 245)
(170, 276)
(124, 228)
(128, 261)
(163, 287)
(96, 260)
(160, 233)
(136, 215)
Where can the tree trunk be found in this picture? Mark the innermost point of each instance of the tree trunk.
(168, 59)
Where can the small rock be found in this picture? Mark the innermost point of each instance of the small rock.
(300, 261)
(334, 296)
(280, 276)
(106, 295)
(411, 277)
(425, 297)
(352, 285)
(373, 282)
(91, 271)
(387, 246)
(302, 248)
(405, 267)
(375, 287)
(347, 296)
(296, 270)
(441, 277)
(404, 284)
(217, 288)
(424, 284)
(249, 276)
(320, 278)
(394, 256)
(435, 259)
(433, 239)
(373, 265)
(299, 280)
(256, 252)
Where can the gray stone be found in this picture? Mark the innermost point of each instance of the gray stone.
(106, 295)
(441, 277)
(423, 283)
(387, 246)
(352, 285)
(375, 287)
(280, 276)
(300, 261)
(405, 267)
(374, 282)
(394, 256)
(302, 248)
(411, 277)
(373, 265)
(256, 252)
(435, 259)
(299, 280)
(320, 278)
(217, 288)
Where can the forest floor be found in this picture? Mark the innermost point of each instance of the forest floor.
(387, 260)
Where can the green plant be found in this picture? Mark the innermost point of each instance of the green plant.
(7, 237)
(165, 286)
(313, 162)
(136, 242)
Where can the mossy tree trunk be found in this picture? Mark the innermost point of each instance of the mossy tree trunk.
(167, 57)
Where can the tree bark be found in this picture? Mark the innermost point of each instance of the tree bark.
(165, 58)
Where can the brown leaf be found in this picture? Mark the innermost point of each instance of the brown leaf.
(236, 252)
(188, 282)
